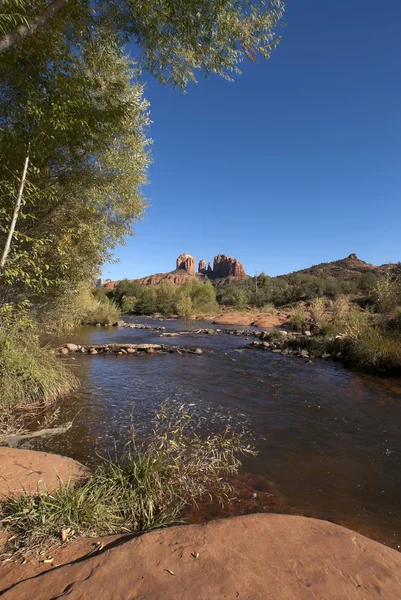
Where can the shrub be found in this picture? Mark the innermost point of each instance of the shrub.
(30, 375)
(166, 297)
(145, 488)
(375, 350)
(128, 304)
(268, 308)
(318, 311)
(298, 320)
(106, 312)
(184, 307)
(203, 296)
(387, 293)
(275, 336)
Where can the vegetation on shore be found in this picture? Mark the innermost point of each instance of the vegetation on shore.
(75, 150)
(30, 375)
(146, 487)
(195, 297)
(367, 338)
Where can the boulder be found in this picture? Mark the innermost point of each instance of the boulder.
(32, 471)
(254, 557)
(72, 347)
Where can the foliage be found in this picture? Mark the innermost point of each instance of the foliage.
(268, 308)
(376, 350)
(81, 104)
(146, 487)
(184, 307)
(30, 375)
(276, 336)
(128, 304)
(318, 311)
(298, 320)
(387, 293)
(174, 40)
(202, 295)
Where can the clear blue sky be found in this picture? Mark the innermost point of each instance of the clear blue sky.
(296, 163)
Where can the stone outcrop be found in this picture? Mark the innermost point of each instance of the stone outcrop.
(186, 262)
(32, 471)
(223, 267)
(179, 277)
(226, 266)
(257, 557)
(202, 266)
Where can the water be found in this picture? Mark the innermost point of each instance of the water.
(328, 439)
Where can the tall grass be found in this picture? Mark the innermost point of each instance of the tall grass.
(375, 350)
(30, 375)
(298, 320)
(146, 487)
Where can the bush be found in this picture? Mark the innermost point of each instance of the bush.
(203, 296)
(298, 320)
(375, 350)
(30, 375)
(128, 304)
(145, 488)
(318, 311)
(105, 313)
(184, 307)
(268, 308)
(276, 336)
(166, 297)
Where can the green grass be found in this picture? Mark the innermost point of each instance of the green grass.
(146, 487)
(30, 375)
(268, 308)
(376, 350)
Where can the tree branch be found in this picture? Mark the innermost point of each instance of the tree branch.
(9, 40)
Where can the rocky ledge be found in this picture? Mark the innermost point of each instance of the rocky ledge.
(32, 471)
(256, 557)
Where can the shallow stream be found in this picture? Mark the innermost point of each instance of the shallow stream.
(329, 439)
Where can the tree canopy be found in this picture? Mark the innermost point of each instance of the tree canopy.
(74, 121)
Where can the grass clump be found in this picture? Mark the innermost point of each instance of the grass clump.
(147, 487)
(375, 350)
(268, 308)
(298, 320)
(275, 336)
(30, 375)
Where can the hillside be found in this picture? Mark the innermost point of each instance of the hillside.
(344, 269)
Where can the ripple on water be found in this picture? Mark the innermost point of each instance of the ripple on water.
(328, 439)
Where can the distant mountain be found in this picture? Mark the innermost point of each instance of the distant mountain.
(345, 268)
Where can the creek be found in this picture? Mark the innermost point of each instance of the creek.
(328, 439)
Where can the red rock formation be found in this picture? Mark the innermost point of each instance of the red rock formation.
(202, 266)
(186, 262)
(179, 278)
(226, 266)
(253, 557)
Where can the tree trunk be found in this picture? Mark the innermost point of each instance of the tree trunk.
(9, 40)
(16, 209)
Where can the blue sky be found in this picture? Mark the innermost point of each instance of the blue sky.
(296, 163)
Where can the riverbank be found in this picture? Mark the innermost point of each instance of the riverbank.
(251, 558)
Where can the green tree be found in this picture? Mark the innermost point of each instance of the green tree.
(175, 38)
(166, 296)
